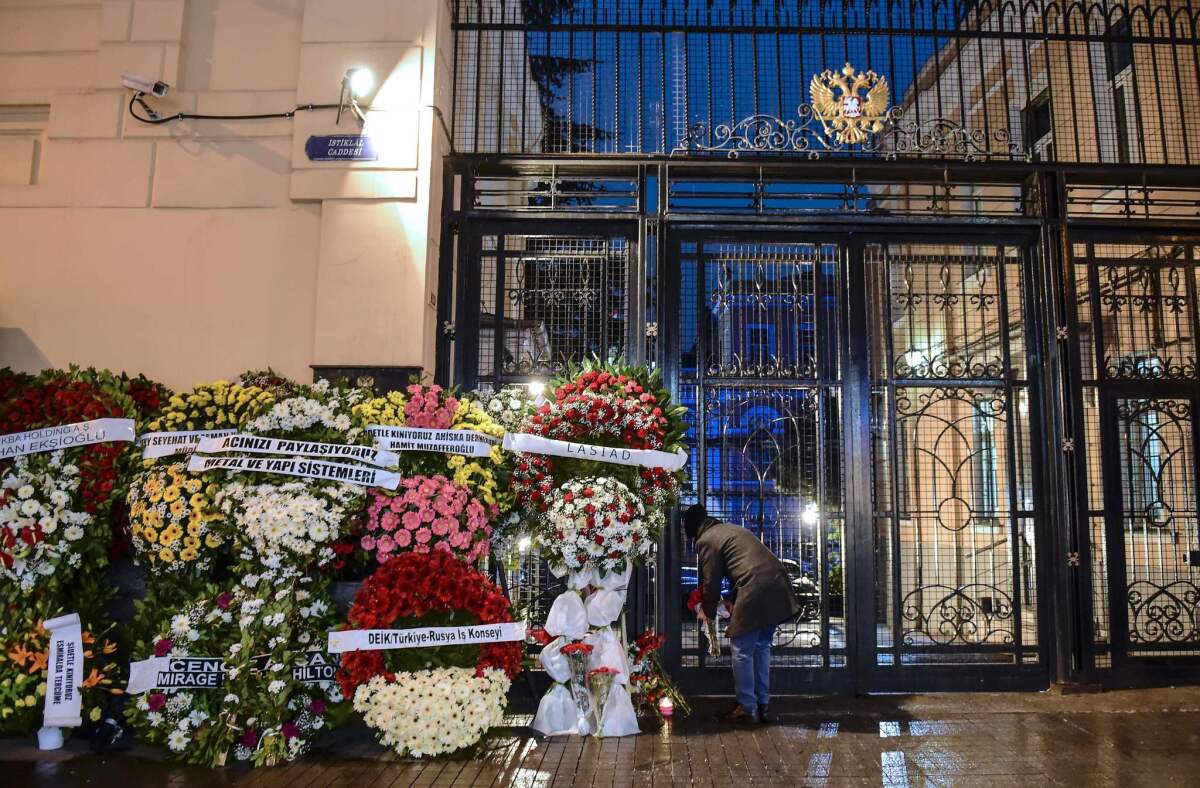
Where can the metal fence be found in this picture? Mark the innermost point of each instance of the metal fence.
(1100, 82)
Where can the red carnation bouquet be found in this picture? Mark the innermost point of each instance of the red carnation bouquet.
(648, 680)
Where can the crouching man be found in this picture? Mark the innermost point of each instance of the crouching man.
(763, 600)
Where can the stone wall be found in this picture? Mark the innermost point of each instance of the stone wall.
(194, 249)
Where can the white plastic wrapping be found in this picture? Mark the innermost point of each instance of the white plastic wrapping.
(556, 714)
(567, 617)
(607, 653)
(577, 581)
(554, 661)
(619, 717)
(603, 607)
(614, 581)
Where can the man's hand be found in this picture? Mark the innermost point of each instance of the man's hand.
(700, 616)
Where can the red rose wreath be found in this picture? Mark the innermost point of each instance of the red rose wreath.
(605, 406)
(426, 589)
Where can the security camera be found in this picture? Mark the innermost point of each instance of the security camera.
(145, 85)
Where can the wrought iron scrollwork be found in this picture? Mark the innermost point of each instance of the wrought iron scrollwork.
(970, 614)
(1164, 613)
(774, 292)
(923, 300)
(1147, 312)
(804, 134)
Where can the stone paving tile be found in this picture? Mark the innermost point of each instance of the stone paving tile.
(1145, 738)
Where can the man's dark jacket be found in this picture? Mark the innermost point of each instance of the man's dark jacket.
(764, 593)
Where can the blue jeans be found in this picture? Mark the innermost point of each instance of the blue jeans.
(752, 667)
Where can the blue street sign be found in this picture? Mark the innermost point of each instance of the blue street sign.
(340, 147)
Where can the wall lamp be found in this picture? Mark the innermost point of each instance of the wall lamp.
(356, 83)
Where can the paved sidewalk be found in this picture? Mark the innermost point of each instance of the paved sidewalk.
(1128, 738)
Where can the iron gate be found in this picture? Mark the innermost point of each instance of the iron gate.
(939, 567)
(1136, 316)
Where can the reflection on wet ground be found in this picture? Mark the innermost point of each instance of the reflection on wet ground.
(1129, 738)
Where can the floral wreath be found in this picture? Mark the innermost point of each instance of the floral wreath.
(595, 523)
(606, 405)
(171, 514)
(426, 589)
(24, 648)
(261, 713)
(273, 520)
(434, 700)
(427, 513)
(59, 397)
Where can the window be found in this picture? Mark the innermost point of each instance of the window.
(1122, 122)
(1120, 49)
(1039, 128)
(22, 135)
(760, 340)
(985, 464)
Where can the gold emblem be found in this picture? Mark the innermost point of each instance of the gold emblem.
(845, 113)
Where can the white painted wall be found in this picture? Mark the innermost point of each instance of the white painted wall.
(196, 249)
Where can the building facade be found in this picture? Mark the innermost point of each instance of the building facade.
(924, 273)
(192, 249)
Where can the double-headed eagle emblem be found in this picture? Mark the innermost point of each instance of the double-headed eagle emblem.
(845, 113)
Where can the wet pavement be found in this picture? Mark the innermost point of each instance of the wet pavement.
(1127, 738)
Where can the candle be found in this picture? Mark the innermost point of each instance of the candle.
(666, 707)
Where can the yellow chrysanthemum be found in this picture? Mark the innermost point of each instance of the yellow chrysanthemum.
(171, 493)
(194, 528)
(166, 555)
(212, 540)
(178, 506)
(149, 534)
(387, 410)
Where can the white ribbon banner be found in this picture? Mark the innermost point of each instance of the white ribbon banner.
(338, 451)
(175, 673)
(66, 436)
(167, 444)
(423, 637)
(308, 469)
(468, 443)
(65, 672)
(647, 458)
(209, 672)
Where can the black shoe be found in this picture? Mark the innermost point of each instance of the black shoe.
(764, 714)
(739, 716)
